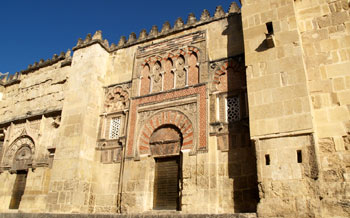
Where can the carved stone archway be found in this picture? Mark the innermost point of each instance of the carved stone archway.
(19, 154)
(171, 118)
(23, 158)
(165, 141)
(117, 99)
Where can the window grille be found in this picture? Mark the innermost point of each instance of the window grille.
(114, 130)
(233, 109)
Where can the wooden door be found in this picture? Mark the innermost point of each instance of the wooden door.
(18, 189)
(166, 183)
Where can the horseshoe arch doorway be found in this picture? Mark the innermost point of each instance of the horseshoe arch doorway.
(165, 146)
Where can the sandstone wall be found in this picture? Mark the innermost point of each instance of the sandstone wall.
(44, 135)
(7, 182)
(324, 30)
(105, 183)
(276, 78)
(70, 187)
(83, 174)
(207, 186)
(286, 180)
(30, 109)
(309, 42)
(36, 93)
(280, 112)
(214, 181)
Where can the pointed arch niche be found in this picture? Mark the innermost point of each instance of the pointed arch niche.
(145, 86)
(168, 82)
(19, 154)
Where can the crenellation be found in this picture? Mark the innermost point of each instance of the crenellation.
(219, 12)
(166, 27)
(122, 41)
(80, 42)
(105, 43)
(154, 32)
(234, 8)
(42, 63)
(4, 76)
(15, 78)
(88, 38)
(54, 58)
(97, 35)
(132, 38)
(143, 34)
(179, 23)
(113, 46)
(205, 15)
(191, 19)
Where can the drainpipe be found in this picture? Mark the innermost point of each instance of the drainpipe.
(122, 140)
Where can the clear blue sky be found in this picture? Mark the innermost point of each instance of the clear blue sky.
(31, 30)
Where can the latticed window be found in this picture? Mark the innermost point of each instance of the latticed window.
(114, 130)
(233, 109)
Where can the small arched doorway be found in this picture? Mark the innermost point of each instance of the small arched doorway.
(165, 146)
(22, 161)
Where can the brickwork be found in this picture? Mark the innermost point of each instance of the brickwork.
(168, 75)
(145, 80)
(229, 76)
(172, 117)
(193, 69)
(175, 118)
(156, 78)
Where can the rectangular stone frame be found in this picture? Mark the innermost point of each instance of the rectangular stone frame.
(199, 89)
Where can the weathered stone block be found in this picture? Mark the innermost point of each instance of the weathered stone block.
(336, 70)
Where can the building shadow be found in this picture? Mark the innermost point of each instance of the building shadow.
(242, 165)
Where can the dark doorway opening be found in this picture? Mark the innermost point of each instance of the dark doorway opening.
(18, 189)
(166, 183)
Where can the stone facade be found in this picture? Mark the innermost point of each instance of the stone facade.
(296, 57)
(245, 111)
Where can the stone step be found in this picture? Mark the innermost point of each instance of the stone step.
(153, 215)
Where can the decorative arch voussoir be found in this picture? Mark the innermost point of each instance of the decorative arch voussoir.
(146, 61)
(176, 118)
(182, 52)
(162, 118)
(170, 55)
(20, 142)
(192, 49)
(156, 119)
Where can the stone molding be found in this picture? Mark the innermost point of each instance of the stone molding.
(117, 99)
(32, 115)
(219, 68)
(167, 117)
(171, 99)
(116, 105)
(181, 44)
(22, 141)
